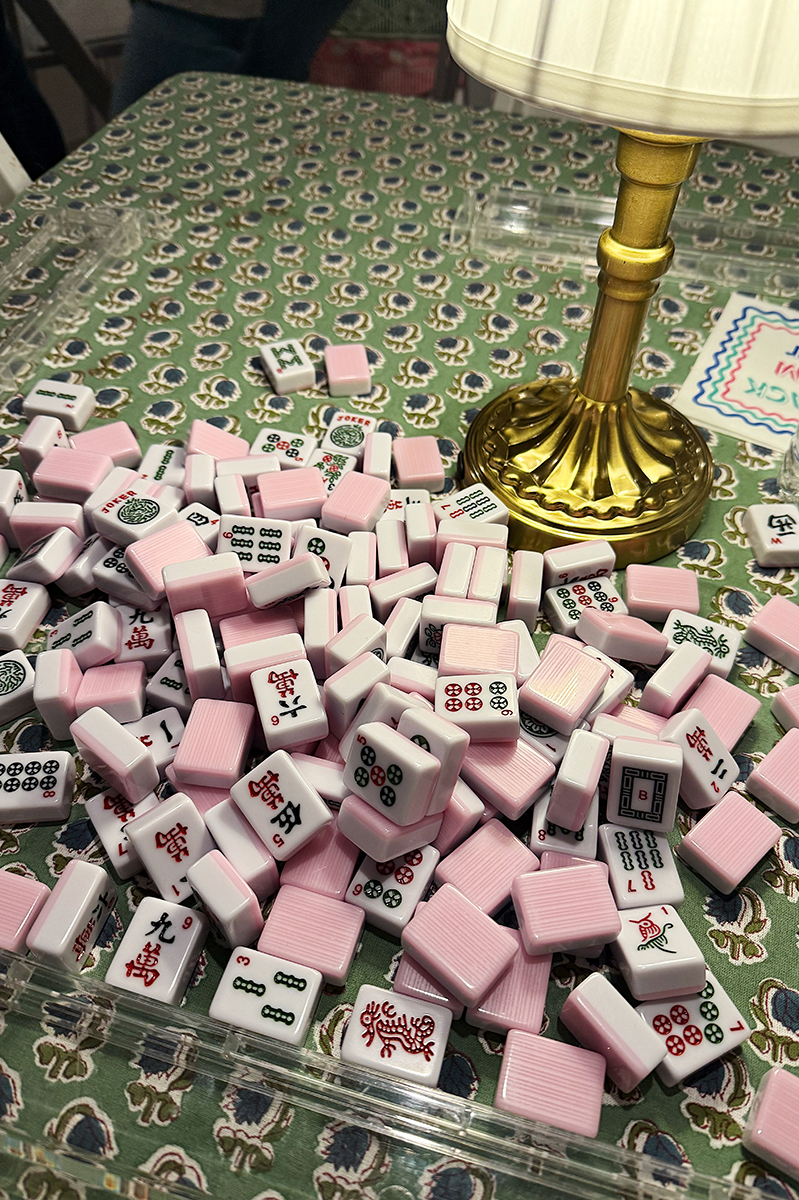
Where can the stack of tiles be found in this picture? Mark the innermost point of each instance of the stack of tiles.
(297, 661)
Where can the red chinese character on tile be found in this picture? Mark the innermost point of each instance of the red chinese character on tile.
(12, 593)
(283, 681)
(698, 741)
(174, 842)
(267, 787)
(145, 965)
(139, 639)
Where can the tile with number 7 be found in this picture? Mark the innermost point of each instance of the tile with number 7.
(695, 1029)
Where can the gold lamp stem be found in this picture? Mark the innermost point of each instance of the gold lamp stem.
(596, 458)
(633, 255)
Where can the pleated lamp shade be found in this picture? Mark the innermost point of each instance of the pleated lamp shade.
(709, 68)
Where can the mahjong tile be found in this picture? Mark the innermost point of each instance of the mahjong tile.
(36, 787)
(258, 542)
(773, 532)
(267, 995)
(22, 607)
(708, 769)
(168, 839)
(696, 1029)
(72, 917)
(722, 642)
(288, 366)
(644, 782)
(641, 867)
(160, 732)
(290, 449)
(656, 954)
(332, 465)
(396, 1035)
(16, 685)
(485, 706)
(544, 835)
(283, 809)
(146, 636)
(159, 950)
(565, 604)
(109, 812)
(388, 892)
(391, 773)
(289, 704)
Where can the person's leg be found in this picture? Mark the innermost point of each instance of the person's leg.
(26, 121)
(164, 41)
(287, 36)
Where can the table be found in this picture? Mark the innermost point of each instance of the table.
(298, 211)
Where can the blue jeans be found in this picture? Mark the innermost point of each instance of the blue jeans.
(163, 41)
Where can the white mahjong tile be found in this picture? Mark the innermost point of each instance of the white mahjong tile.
(773, 533)
(160, 732)
(36, 787)
(169, 687)
(282, 807)
(391, 773)
(641, 867)
(289, 704)
(346, 434)
(388, 892)
(16, 685)
(168, 839)
(333, 549)
(397, 1035)
(565, 604)
(721, 641)
(546, 836)
(257, 542)
(486, 706)
(109, 813)
(543, 738)
(332, 466)
(159, 951)
(22, 607)
(696, 1029)
(146, 636)
(288, 366)
(72, 403)
(656, 954)
(265, 994)
(290, 449)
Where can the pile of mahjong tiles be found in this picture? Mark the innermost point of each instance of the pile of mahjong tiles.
(295, 689)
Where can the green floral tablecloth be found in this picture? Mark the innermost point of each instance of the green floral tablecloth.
(323, 215)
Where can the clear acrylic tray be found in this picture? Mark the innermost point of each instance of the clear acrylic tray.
(510, 223)
(419, 1125)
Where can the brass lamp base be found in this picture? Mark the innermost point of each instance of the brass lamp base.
(633, 471)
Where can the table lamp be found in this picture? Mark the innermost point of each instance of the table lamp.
(588, 458)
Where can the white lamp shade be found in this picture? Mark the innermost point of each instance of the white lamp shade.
(713, 68)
